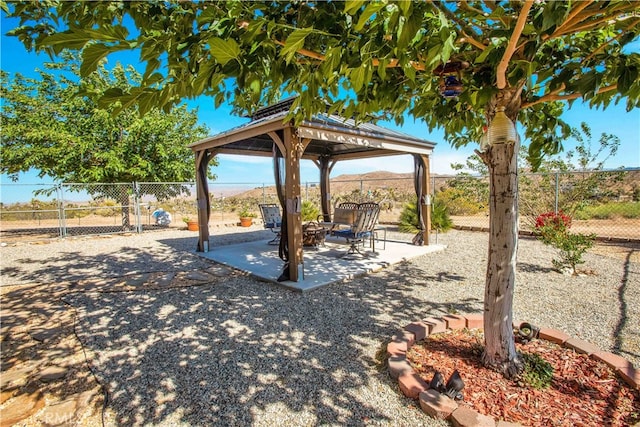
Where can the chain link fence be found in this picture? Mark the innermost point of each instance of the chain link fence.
(605, 203)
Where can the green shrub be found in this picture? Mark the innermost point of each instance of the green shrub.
(409, 218)
(459, 202)
(309, 211)
(440, 219)
(537, 373)
(630, 210)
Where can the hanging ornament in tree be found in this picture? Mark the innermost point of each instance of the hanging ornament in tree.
(502, 130)
(450, 87)
(451, 78)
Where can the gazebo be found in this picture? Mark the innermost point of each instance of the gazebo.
(325, 139)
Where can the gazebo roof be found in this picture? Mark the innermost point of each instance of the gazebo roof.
(330, 136)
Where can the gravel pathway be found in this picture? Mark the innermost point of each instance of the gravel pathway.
(238, 351)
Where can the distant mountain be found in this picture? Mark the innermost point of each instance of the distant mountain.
(347, 183)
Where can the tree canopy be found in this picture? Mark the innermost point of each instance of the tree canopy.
(363, 58)
(52, 124)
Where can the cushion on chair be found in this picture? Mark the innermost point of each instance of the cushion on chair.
(271, 216)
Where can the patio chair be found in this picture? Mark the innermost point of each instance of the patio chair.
(362, 228)
(272, 220)
(343, 214)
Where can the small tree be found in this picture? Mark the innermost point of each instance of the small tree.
(553, 229)
(573, 181)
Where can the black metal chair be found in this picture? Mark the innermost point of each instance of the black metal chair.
(362, 228)
(272, 219)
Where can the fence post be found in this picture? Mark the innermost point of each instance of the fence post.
(557, 191)
(61, 216)
(136, 206)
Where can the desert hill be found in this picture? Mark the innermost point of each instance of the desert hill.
(347, 183)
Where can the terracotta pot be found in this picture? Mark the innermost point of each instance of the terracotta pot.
(192, 226)
(246, 221)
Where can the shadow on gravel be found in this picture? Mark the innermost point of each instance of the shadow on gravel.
(242, 352)
(533, 268)
(621, 333)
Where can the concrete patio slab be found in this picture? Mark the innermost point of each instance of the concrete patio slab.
(322, 266)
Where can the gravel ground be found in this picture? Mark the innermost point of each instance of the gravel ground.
(238, 351)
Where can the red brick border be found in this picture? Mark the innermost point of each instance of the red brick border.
(440, 406)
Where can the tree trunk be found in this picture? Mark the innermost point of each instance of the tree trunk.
(500, 353)
(124, 205)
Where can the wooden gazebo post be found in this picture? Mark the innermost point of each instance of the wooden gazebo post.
(294, 150)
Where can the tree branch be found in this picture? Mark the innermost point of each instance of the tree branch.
(304, 52)
(470, 8)
(473, 42)
(579, 23)
(579, 8)
(491, 4)
(464, 28)
(592, 24)
(375, 62)
(501, 70)
(553, 96)
(602, 46)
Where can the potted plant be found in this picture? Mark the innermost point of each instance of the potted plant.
(246, 217)
(192, 224)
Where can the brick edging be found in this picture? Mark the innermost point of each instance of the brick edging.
(440, 406)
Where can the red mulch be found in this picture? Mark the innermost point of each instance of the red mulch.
(584, 392)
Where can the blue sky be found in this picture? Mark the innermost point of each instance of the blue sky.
(243, 169)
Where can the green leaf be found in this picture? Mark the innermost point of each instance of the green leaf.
(628, 76)
(202, 79)
(405, 7)
(68, 39)
(483, 56)
(369, 11)
(255, 86)
(152, 65)
(448, 47)
(444, 22)
(410, 27)
(331, 60)
(91, 57)
(294, 42)
(382, 68)
(409, 71)
(154, 79)
(146, 102)
(224, 50)
(352, 6)
(357, 78)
